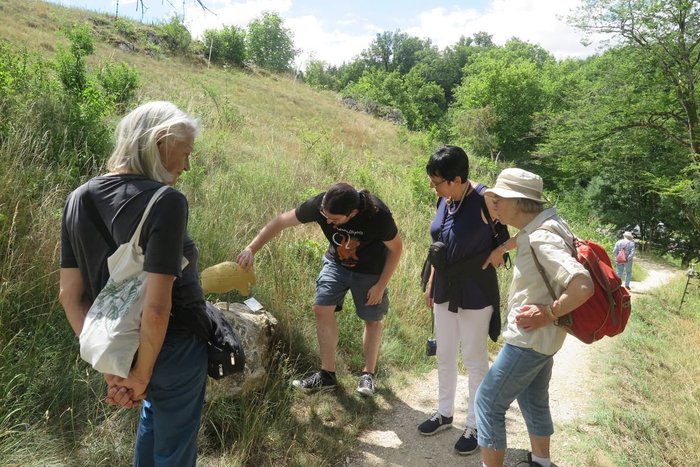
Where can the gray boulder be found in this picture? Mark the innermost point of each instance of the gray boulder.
(257, 330)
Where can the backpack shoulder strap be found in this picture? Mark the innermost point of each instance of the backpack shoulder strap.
(552, 229)
(539, 267)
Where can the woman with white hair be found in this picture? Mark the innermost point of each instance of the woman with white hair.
(523, 367)
(623, 252)
(168, 376)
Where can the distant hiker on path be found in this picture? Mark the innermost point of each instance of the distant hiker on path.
(364, 248)
(463, 297)
(523, 367)
(624, 254)
(169, 375)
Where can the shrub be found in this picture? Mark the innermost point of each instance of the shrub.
(72, 121)
(175, 35)
(269, 44)
(125, 28)
(119, 81)
(225, 46)
(81, 40)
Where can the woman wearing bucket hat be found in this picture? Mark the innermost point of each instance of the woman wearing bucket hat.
(623, 252)
(463, 296)
(523, 367)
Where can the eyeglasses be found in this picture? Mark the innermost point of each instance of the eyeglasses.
(332, 217)
(435, 185)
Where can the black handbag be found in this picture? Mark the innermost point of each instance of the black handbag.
(226, 355)
(437, 255)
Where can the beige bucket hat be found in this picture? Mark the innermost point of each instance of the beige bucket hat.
(518, 183)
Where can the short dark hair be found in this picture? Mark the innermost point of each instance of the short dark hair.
(449, 162)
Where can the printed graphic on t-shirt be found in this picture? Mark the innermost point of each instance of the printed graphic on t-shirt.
(346, 243)
(357, 244)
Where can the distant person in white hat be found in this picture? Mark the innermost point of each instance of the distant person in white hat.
(623, 254)
(523, 367)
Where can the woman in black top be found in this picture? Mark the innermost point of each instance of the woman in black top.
(462, 294)
(168, 377)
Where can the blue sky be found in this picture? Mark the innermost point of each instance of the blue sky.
(336, 31)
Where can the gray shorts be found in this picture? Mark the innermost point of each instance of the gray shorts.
(333, 283)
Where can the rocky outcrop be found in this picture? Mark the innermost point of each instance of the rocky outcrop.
(372, 108)
(257, 330)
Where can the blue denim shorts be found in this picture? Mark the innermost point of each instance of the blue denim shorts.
(333, 284)
(517, 373)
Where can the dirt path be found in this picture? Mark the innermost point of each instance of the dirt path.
(396, 442)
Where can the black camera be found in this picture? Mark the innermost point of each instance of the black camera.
(431, 347)
(437, 255)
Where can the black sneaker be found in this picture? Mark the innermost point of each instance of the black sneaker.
(530, 463)
(365, 385)
(316, 382)
(434, 424)
(467, 444)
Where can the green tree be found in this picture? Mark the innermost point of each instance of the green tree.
(666, 37)
(427, 97)
(625, 170)
(447, 68)
(507, 81)
(270, 45)
(319, 75)
(226, 46)
(395, 51)
(387, 91)
(381, 51)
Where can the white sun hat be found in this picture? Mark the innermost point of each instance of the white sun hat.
(518, 183)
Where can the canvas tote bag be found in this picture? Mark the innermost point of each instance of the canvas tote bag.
(110, 335)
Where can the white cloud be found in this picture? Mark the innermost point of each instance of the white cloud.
(537, 21)
(333, 47)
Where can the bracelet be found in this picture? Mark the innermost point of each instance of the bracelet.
(504, 248)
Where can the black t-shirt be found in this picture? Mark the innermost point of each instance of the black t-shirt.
(357, 244)
(104, 213)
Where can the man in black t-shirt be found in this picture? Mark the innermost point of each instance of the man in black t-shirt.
(363, 252)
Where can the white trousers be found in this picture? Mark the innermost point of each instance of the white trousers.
(470, 329)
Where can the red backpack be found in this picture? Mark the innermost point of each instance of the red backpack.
(607, 311)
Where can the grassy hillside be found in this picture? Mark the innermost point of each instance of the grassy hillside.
(268, 143)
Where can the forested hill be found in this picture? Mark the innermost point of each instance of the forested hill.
(614, 137)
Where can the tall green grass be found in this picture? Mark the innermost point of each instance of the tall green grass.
(647, 407)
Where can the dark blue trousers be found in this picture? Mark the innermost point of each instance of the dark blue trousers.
(167, 433)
